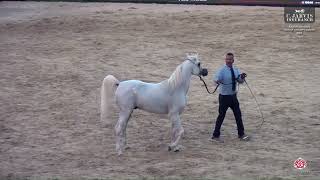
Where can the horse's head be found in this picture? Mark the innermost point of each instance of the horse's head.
(196, 65)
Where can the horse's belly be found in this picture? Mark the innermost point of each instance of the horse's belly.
(156, 109)
(152, 103)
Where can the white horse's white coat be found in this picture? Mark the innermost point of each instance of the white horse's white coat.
(166, 97)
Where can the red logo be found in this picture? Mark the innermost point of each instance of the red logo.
(300, 163)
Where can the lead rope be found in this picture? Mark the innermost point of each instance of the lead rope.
(257, 105)
(207, 87)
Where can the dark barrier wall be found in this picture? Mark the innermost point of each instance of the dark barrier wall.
(218, 2)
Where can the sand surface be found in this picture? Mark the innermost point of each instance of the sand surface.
(54, 57)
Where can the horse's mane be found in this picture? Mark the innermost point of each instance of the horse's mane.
(175, 78)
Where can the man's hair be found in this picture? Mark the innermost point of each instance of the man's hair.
(229, 54)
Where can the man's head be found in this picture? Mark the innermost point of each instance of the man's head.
(229, 59)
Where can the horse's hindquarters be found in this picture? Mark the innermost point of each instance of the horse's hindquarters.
(124, 95)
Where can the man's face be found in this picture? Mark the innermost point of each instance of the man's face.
(229, 60)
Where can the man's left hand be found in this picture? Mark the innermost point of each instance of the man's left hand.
(243, 75)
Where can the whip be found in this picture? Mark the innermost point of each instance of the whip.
(256, 103)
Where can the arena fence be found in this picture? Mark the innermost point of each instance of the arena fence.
(217, 2)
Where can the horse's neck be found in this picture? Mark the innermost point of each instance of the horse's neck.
(186, 78)
(186, 83)
(183, 86)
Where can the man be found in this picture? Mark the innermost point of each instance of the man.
(227, 78)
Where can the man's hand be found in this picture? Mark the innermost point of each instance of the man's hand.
(218, 82)
(243, 75)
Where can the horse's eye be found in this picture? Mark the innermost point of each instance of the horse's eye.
(198, 64)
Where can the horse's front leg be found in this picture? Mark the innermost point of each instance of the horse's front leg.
(177, 131)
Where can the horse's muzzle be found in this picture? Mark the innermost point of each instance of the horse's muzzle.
(204, 72)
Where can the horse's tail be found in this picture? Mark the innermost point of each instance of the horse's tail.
(108, 88)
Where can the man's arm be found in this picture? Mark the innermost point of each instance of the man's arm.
(218, 77)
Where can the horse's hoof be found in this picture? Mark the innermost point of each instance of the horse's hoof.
(178, 148)
(169, 148)
(127, 147)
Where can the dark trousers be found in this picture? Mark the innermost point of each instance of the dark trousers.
(226, 101)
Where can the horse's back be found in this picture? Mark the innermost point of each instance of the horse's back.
(138, 94)
(134, 84)
(127, 87)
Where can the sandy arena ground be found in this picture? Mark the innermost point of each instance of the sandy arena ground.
(54, 57)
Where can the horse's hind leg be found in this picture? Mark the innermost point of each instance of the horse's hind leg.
(120, 130)
(177, 132)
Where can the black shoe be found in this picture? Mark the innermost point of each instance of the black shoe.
(216, 139)
(244, 138)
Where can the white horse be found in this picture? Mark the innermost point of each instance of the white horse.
(166, 97)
